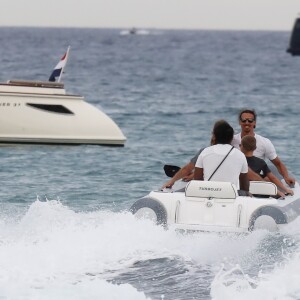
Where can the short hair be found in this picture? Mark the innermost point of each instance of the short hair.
(223, 132)
(249, 143)
(249, 111)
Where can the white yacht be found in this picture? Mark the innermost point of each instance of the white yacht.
(34, 112)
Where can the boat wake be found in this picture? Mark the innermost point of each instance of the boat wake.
(277, 284)
(53, 250)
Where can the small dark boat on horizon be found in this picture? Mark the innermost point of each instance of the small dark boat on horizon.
(294, 48)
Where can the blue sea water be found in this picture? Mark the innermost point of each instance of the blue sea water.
(65, 229)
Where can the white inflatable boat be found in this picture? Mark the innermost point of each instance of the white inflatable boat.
(217, 206)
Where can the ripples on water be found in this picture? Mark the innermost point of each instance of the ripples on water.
(165, 90)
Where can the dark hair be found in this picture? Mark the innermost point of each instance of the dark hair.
(249, 111)
(223, 132)
(249, 143)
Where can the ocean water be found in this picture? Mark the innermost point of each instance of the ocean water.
(65, 229)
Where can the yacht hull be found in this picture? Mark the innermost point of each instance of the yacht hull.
(45, 114)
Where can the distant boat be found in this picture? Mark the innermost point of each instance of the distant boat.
(294, 48)
(134, 31)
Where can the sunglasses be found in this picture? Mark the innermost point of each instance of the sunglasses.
(247, 119)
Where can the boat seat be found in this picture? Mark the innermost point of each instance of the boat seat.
(262, 188)
(210, 189)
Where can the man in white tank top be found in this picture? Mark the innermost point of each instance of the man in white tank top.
(265, 149)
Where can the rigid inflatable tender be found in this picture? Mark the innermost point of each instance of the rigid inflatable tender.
(217, 206)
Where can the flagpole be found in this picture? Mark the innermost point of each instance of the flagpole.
(66, 59)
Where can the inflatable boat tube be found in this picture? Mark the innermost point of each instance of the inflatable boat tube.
(151, 209)
(276, 214)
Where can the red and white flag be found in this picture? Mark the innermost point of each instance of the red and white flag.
(58, 70)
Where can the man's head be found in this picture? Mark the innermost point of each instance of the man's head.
(248, 143)
(222, 132)
(247, 120)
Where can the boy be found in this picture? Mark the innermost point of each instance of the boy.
(258, 165)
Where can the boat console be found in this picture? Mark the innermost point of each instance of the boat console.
(210, 189)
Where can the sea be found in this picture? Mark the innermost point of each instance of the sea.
(66, 231)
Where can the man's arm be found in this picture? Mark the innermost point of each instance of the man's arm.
(283, 171)
(279, 184)
(253, 176)
(184, 171)
(244, 182)
(198, 174)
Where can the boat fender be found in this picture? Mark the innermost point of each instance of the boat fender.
(156, 206)
(275, 213)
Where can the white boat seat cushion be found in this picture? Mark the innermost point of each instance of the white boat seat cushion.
(263, 188)
(211, 189)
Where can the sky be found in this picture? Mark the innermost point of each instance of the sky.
(152, 14)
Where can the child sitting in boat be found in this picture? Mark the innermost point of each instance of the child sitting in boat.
(258, 165)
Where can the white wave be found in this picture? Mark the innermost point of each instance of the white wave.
(292, 229)
(282, 283)
(52, 247)
(62, 290)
